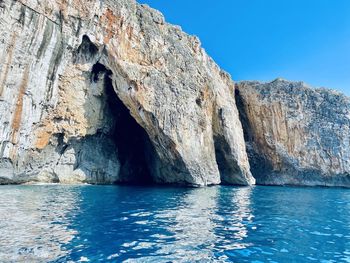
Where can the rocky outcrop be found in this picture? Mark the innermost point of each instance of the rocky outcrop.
(295, 134)
(106, 92)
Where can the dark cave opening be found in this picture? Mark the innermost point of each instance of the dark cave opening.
(226, 166)
(86, 51)
(135, 150)
(243, 117)
(260, 167)
(220, 158)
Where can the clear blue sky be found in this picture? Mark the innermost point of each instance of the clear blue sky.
(305, 40)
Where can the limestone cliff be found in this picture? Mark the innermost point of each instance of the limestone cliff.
(296, 134)
(106, 91)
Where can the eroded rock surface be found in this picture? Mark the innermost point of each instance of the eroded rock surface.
(80, 81)
(295, 134)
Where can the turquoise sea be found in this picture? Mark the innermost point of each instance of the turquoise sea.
(56, 223)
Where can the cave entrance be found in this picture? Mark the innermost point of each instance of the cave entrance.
(135, 150)
(226, 166)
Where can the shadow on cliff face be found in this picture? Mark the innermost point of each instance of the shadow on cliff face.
(260, 167)
(86, 51)
(135, 151)
(227, 167)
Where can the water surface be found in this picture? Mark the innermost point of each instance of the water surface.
(153, 224)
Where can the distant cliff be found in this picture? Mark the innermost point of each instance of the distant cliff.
(295, 134)
(107, 92)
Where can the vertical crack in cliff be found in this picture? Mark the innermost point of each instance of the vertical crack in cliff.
(228, 168)
(248, 137)
(135, 151)
(220, 147)
(259, 166)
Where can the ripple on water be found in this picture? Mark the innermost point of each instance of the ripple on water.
(140, 224)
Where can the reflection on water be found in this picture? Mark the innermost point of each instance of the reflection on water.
(235, 218)
(191, 225)
(145, 224)
(34, 222)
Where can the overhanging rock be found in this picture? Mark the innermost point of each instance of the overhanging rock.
(54, 113)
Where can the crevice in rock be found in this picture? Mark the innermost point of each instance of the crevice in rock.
(86, 52)
(243, 117)
(37, 12)
(135, 150)
(219, 144)
(226, 165)
(259, 166)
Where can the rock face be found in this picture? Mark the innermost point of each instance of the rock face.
(295, 134)
(106, 92)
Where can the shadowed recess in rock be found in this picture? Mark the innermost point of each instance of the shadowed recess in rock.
(221, 152)
(135, 151)
(259, 166)
(86, 51)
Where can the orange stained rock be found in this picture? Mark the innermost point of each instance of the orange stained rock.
(110, 20)
(17, 116)
(43, 138)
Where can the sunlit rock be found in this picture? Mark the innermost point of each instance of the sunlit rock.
(295, 134)
(108, 92)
